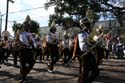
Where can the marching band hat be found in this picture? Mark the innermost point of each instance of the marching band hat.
(83, 20)
(53, 29)
(26, 26)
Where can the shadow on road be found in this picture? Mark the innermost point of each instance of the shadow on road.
(105, 79)
(7, 75)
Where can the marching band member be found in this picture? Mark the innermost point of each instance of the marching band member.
(119, 48)
(65, 44)
(26, 56)
(5, 48)
(87, 63)
(71, 45)
(1, 53)
(100, 47)
(38, 49)
(52, 42)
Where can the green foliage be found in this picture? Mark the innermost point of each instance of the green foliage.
(51, 18)
(17, 26)
(75, 9)
(78, 8)
(34, 26)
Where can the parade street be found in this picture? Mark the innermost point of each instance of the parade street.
(112, 71)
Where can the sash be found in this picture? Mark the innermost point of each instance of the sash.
(76, 47)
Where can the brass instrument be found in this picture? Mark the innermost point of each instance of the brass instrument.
(5, 34)
(0, 43)
(17, 44)
(89, 41)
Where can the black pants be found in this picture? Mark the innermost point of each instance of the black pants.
(67, 55)
(26, 61)
(46, 52)
(107, 53)
(120, 54)
(100, 54)
(1, 54)
(38, 53)
(54, 55)
(5, 54)
(15, 56)
(88, 69)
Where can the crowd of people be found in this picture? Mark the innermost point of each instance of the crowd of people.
(89, 50)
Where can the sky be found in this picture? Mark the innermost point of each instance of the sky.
(41, 15)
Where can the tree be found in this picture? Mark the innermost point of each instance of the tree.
(17, 26)
(73, 8)
(77, 9)
(33, 25)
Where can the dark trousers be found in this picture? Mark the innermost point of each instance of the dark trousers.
(54, 55)
(67, 55)
(100, 54)
(46, 52)
(38, 53)
(1, 54)
(107, 53)
(5, 54)
(26, 61)
(88, 69)
(15, 56)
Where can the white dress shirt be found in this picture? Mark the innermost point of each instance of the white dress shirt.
(52, 38)
(81, 39)
(24, 38)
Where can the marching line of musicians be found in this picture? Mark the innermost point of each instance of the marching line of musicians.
(52, 48)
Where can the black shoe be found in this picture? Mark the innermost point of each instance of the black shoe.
(50, 71)
(23, 81)
(6, 59)
(48, 64)
(66, 65)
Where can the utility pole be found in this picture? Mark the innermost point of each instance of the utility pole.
(0, 24)
(7, 9)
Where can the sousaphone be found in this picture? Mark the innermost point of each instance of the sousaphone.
(5, 34)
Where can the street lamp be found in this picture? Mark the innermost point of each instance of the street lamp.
(0, 24)
(7, 9)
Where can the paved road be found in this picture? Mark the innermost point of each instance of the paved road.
(112, 71)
